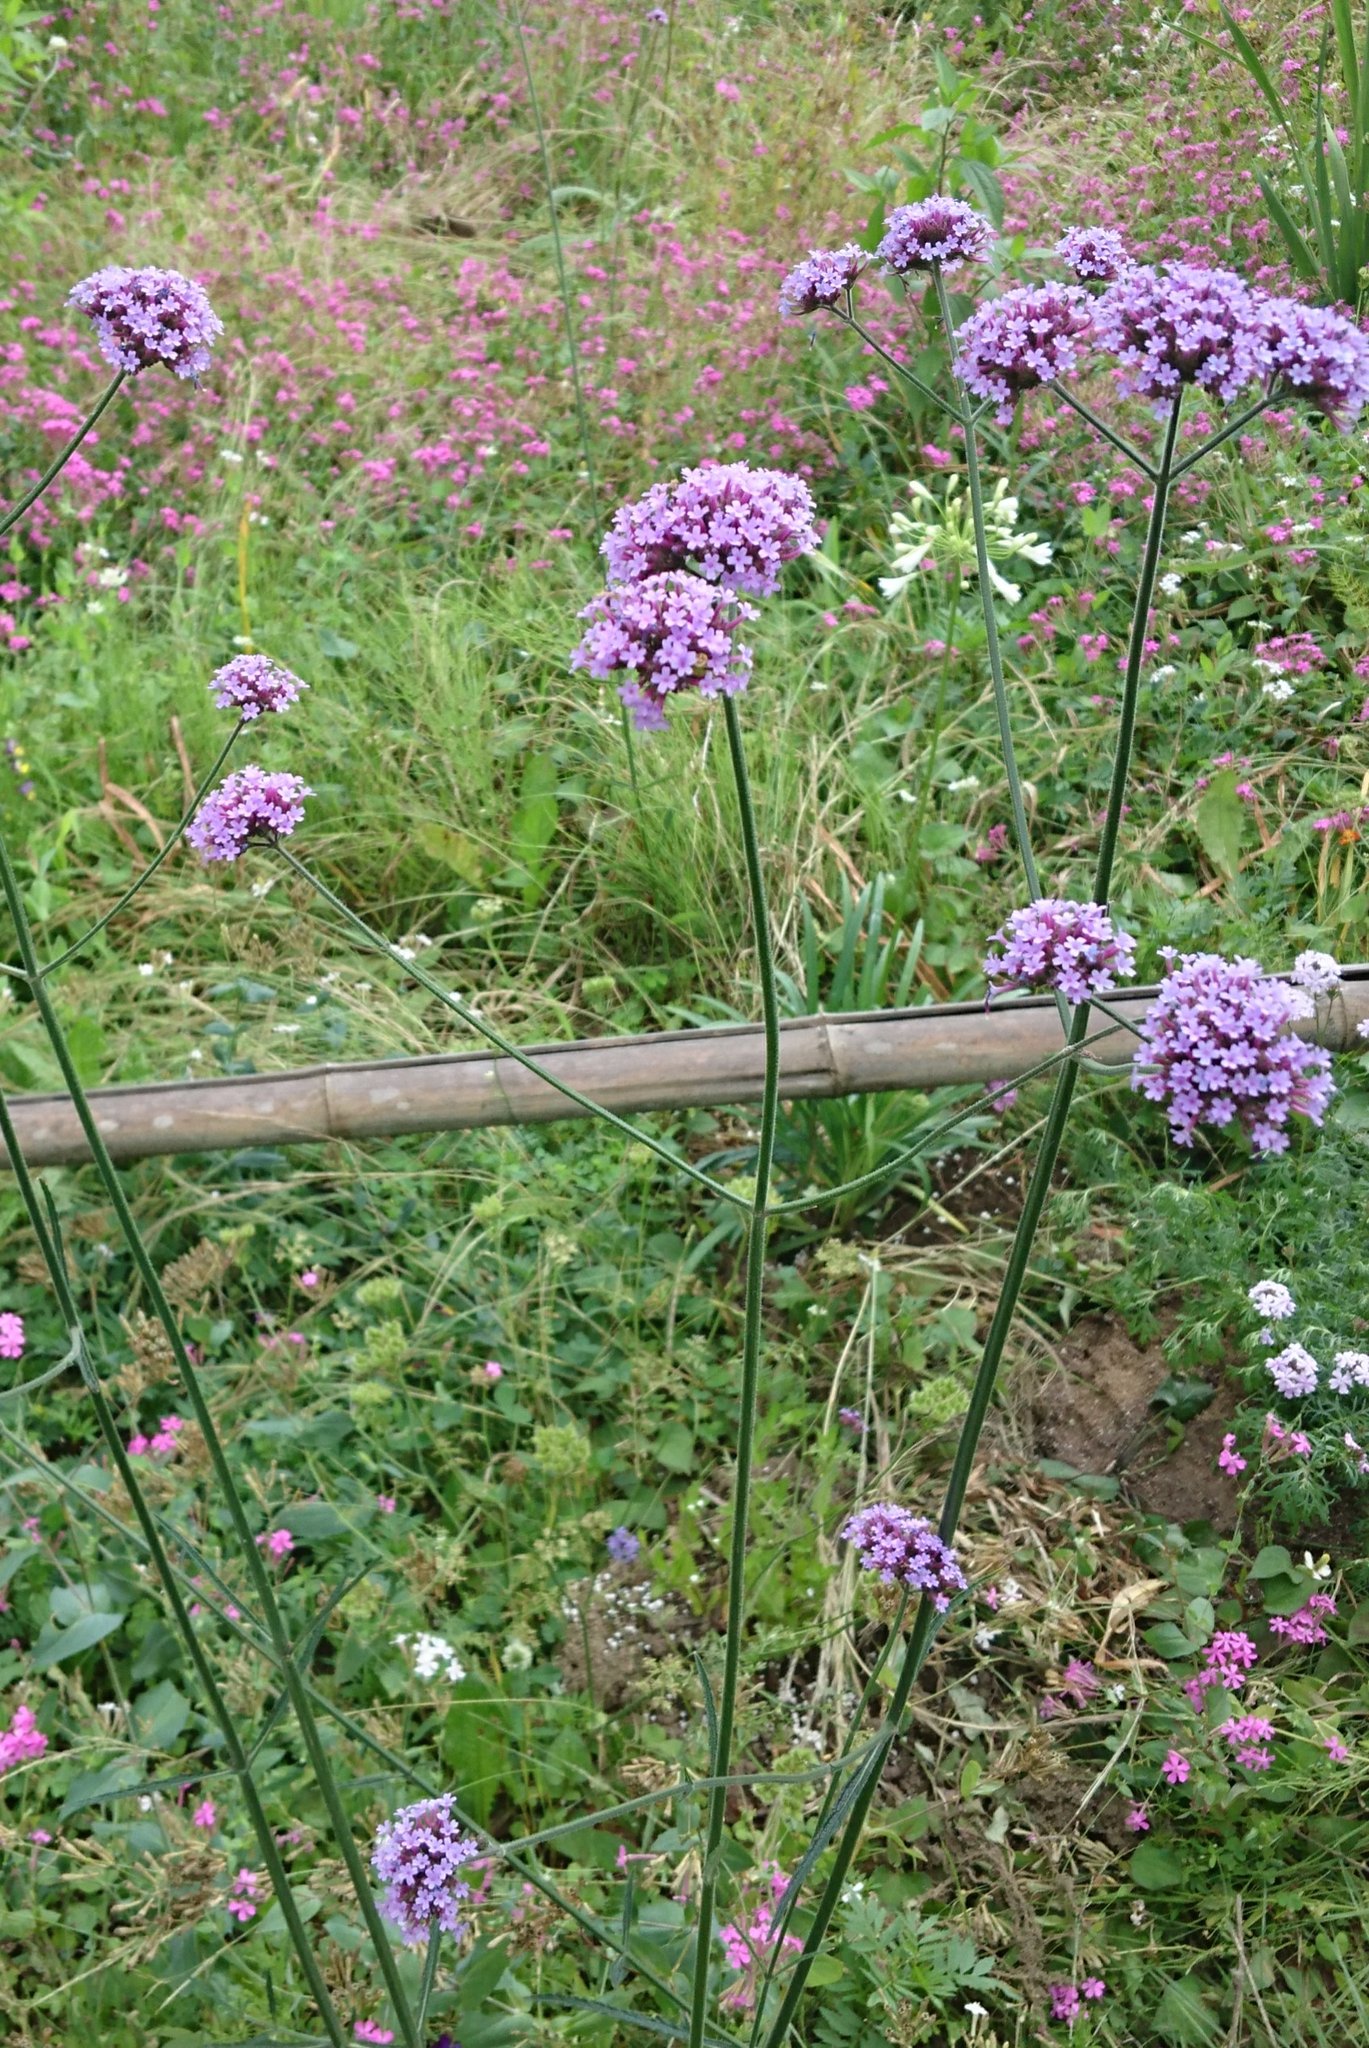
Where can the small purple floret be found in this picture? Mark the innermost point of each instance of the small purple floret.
(622, 1546)
(1216, 1049)
(724, 521)
(252, 683)
(1093, 253)
(418, 1857)
(1321, 355)
(937, 230)
(1027, 337)
(905, 1550)
(1069, 948)
(248, 804)
(823, 278)
(146, 317)
(1183, 325)
(667, 633)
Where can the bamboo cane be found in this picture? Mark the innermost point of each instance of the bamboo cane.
(854, 1053)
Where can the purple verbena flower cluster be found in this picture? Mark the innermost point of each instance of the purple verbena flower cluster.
(1319, 354)
(668, 632)
(905, 1550)
(252, 683)
(146, 317)
(1027, 337)
(1093, 253)
(823, 279)
(1272, 1300)
(418, 1857)
(936, 230)
(1184, 325)
(1216, 1049)
(1071, 948)
(248, 804)
(726, 522)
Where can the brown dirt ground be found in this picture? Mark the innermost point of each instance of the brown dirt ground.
(1092, 1411)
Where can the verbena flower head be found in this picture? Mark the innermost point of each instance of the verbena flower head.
(905, 1550)
(1070, 948)
(1294, 1371)
(146, 317)
(1349, 1369)
(1216, 1049)
(418, 1857)
(667, 633)
(1093, 253)
(936, 230)
(726, 522)
(1272, 1300)
(1321, 355)
(252, 683)
(248, 804)
(1027, 337)
(823, 278)
(622, 1546)
(1183, 325)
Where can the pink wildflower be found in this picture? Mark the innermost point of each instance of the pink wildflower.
(11, 1335)
(1229, 1459)
(23, 1741)
(204, 1816)
(1176, 1768)
(1138, 1820)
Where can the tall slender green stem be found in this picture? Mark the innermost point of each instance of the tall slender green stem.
(1133, 455)
(938, 707)
(563, 278)
(992, 647)
(150, 870)
(1019, 1257)
(1233, 427)
(218, 1706)
(750, 1379)
(16, 512)
(1136, 648)
(899, 369)
(251, 1555)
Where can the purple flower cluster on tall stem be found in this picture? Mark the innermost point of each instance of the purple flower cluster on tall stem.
(419, 1856)
(252, 683)
(936, 230)
(677, 558)
(1093, 254)
(148, 317)
(1028, 337)
(823, 279)
(1216, 1048)
(1072, 949)
(248, 804)
(905, 1550)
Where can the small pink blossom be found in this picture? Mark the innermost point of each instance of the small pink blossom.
(369, 2030)
(279, 1543)
(1138, 1820)
(1229, 1459)
(310, 1277)
(204, 1816)
(1333, 1746)
(493, 1369)
(726, 90)
(386, 1503)
(11, 1335)
(1176, 1768)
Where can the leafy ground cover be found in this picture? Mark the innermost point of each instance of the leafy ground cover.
(435, 386)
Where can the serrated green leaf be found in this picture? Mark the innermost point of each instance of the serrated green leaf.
(1220, 822)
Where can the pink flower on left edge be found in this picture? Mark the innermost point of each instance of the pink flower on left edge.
(11, 1335)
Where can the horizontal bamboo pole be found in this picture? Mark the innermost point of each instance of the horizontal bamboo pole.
(852, 1054)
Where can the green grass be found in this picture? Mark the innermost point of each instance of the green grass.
(470, 789)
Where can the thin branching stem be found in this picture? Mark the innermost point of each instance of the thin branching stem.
(31, 497)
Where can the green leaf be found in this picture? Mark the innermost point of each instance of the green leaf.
(1272, 1562)
(474, 1746)
(69, 1642)
(1155, 1868)
(86, 1044)
(335, 647)
(159, 1715)
(826, 1970)
(534, 825)
(314, 1521)
(1183, 1398)
(91, 1786)
(1220, 819)
(675, 1448)
(1182, 2015)
(1167, 1640)
(453, 850)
